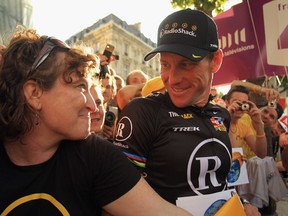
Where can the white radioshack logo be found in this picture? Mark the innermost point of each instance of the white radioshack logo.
(275, 15)
(164, 32)
(236, 38)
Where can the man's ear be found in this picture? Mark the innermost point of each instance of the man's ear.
(217, 60)
(32, 93)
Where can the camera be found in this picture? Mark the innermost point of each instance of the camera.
(272, 104)
(116, 57)
(109, 118)
(108, 53)
(244, 107)
(111, 115)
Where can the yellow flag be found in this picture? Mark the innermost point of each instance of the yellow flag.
(233, 206)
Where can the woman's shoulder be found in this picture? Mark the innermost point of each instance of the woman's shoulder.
(93, 144)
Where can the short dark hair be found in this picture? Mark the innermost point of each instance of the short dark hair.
(237, 88)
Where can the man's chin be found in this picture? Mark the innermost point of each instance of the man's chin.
(179, 103)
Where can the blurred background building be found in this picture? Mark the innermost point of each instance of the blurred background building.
(13, 13)
(130, 44)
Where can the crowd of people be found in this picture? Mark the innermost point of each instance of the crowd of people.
(66, 132)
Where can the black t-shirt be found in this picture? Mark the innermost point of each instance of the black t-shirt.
(180, 151)
(79, 179)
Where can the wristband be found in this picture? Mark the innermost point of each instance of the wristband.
(244, 201)
(261, 135)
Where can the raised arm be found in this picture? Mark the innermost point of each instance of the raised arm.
(270, 93)
(142, 201)
(127, 93)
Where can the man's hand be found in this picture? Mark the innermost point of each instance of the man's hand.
(270, 94)
(235, 106)
(251, 210)
(255, 114)
(108, 131)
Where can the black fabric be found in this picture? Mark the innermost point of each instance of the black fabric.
(189, 33)
(81, 177)
(173, 147)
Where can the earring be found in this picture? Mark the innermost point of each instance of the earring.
(37, 119)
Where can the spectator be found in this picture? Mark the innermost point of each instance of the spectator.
(97, 117)
(109, 89)
(120, 83)
(109, 93)
(270, 96)
(135, 81)
(269, 115)
(49, 163)
(277, 129)
(284, 156)
(213, 92)
(250, 137)
(283, 143)
(178, 140)
(136, 77)
(215, 99)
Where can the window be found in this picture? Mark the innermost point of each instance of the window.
(126, 48)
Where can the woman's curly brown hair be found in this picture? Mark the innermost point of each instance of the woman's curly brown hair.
(16, 116)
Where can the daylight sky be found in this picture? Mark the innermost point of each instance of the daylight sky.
(63, 18)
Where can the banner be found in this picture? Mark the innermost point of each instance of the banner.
(254, 38)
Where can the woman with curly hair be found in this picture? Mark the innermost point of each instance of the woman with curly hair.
(50, 164)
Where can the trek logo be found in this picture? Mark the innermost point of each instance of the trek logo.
(185, 129)
(205, 173)
(227, 41)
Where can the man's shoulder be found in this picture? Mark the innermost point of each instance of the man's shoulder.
(155, 99)
(217, 108)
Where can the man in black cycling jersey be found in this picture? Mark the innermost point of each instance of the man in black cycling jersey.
(178, 140)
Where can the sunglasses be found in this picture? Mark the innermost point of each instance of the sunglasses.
(47, 48)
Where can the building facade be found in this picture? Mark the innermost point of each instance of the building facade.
(130, 44)
(13, 13)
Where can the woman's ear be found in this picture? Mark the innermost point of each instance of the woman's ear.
(217, 60)
(32, 93)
